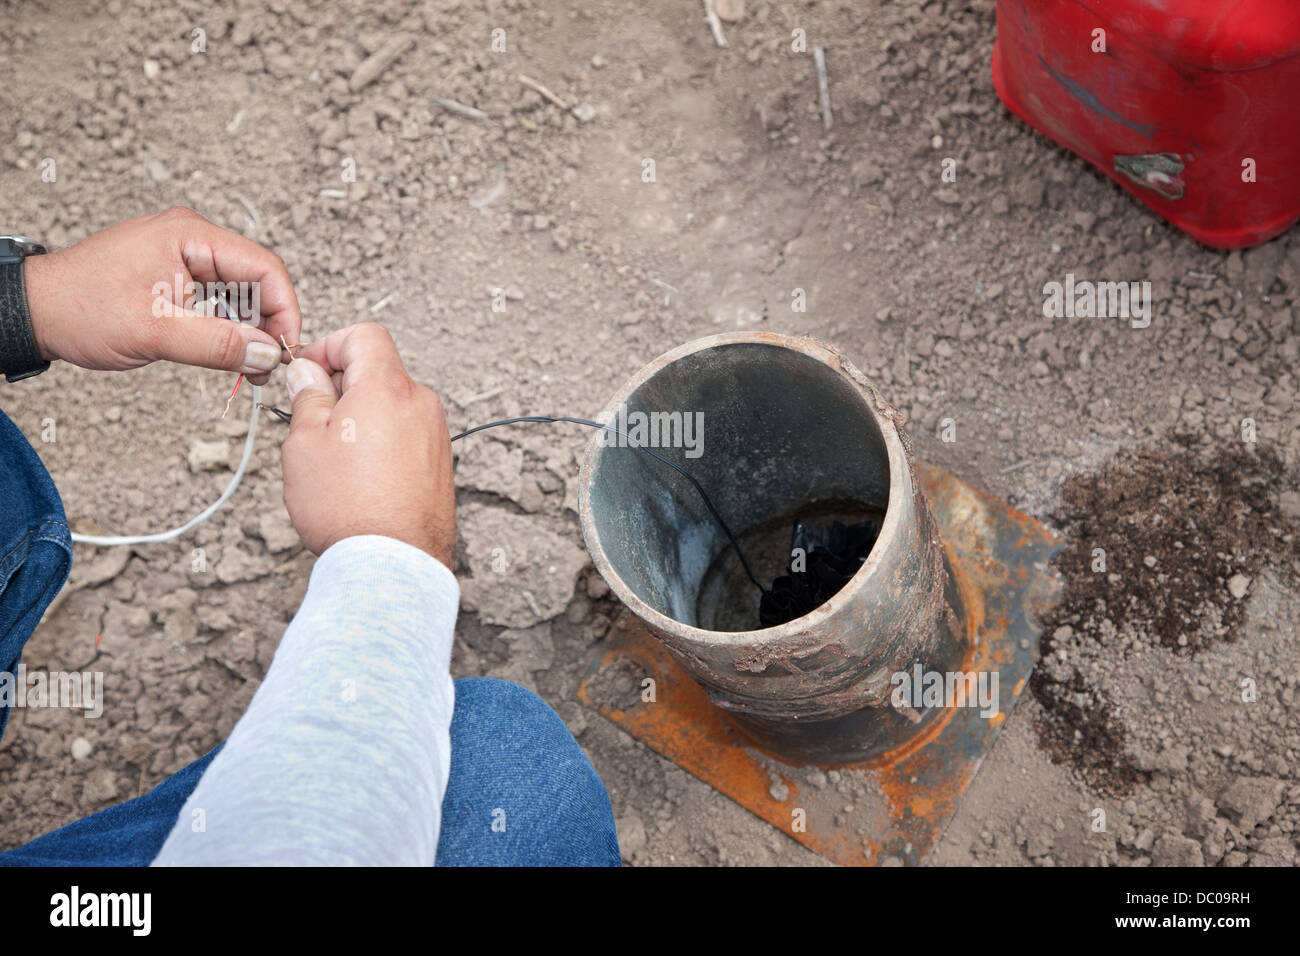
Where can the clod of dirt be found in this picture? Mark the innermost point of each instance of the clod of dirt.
(1162, 549)
(522, 573)
(617, 685)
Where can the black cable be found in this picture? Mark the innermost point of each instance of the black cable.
(286, 417)
(283, 416)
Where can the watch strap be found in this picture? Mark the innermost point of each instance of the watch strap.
(20, 357)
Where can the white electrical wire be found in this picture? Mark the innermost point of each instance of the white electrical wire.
(202, 516)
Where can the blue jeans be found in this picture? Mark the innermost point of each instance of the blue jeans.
(509, 750)
(35, 546)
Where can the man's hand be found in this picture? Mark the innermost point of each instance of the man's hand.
(368, 451)
(111, 301)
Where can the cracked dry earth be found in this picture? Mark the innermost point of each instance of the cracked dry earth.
(1166, 693)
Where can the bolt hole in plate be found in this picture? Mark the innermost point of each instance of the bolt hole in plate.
(893, 809)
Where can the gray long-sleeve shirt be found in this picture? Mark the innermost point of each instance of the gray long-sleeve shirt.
(344, 752)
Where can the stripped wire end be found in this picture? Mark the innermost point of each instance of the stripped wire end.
(235, 391)
(289, 348)
(285, 417)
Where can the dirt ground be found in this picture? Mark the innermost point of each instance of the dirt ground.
(1119, 438)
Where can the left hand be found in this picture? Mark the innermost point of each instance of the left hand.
(110, 301)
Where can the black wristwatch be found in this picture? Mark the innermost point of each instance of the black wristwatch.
(20, 357)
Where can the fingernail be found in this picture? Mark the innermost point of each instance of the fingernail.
(261, 357)
(301, 374)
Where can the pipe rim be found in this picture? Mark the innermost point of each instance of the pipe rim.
(900, 490)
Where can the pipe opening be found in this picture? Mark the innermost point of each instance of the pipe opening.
(774, 436)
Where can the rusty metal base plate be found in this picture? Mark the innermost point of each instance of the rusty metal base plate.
(892, 810)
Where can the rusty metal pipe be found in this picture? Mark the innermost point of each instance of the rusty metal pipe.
(789, 429)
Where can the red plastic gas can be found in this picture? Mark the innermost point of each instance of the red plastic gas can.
(1191, 105)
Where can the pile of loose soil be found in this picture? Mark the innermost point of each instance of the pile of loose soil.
(1162, 549)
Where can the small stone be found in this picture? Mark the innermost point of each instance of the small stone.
(135, 751)
(1238, 585)
(1039, 843)
(1251, 800)
(1172, 760)
(1274, 851)
(81, 748)
(1029, 192)
(104, 566)
(532, 648)
(242, 34)
(333, 133)
(151, 69)
(236, 564)
(596, 587)
(779, 792)
(101, 787)
(129, 619)
(631, 834)
(243, 646)
(865, 172)
(208, 455)
(584, 112)
(1173, 849)
(275, 528)
(574, 717)
(181, 626)
(1223, 328)
(214, 618)
(1149, 560)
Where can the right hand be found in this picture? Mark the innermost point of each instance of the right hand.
(368, 450)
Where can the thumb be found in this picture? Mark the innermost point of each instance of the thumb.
(194, 339)
(312, 393)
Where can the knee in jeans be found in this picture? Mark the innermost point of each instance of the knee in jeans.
(491, 695)
(519, 722)
(507, 741)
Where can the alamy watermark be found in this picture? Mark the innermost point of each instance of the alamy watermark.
(1098, 300)
(74, 908)
(919, 689)
(655, 430)
(203, 297)
(74, 690)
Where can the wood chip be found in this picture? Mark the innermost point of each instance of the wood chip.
(823, 85)
(460, 109)
(373, 66)
(529, 82)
